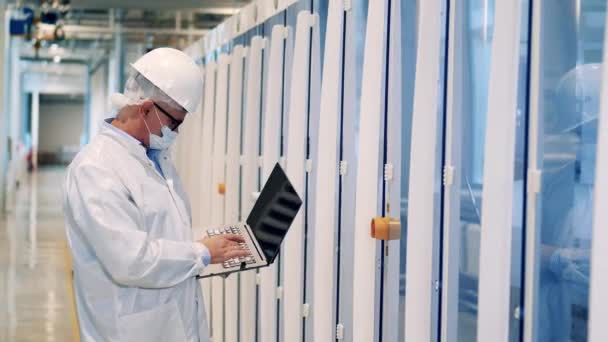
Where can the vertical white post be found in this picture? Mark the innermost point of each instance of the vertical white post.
(452, 171)
(233, 179)
(355, 26)
(598, 301)
(533, 203)
(313, 111)
(251, 121)
(323, 290)
(4, 98)
(497, 215)
(15, 117)
(191, 150)
(421, 293)
(392, 173)
(293, 247)
(368, 175)
(270, 155)
(219, 177)
(271, 141)
(99, 99)
(206, 164)
(35, 127)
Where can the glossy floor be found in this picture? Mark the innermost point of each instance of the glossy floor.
(35, 288)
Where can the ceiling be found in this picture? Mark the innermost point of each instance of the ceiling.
(161, 4)
(91, 25)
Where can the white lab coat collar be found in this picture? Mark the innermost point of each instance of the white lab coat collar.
(134, 146)
(107, 123)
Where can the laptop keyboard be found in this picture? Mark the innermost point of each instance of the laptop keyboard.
(235, 262)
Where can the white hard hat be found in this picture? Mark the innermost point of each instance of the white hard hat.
(175, 73)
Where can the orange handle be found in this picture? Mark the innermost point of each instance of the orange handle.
(385, 228)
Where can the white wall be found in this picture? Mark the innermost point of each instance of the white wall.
(61, 124)
(53, 78)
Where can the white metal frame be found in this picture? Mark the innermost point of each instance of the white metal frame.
(497, 216)
(392, 173)
(452, 171)
(270, 155)
(251, 131)
(293, 248)
(16, 161)
(533, 203)
(192, 163)
(598, 311)
(206, 165)
(327, 174)
(421, 295)
(355, 16)
(35, 124)
(218, 177)
(314, 108)
(5, 117)
(368, 175)
(233, 181)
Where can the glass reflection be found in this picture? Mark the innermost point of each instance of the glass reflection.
(477, 42)
(572, 47)
(569, 164)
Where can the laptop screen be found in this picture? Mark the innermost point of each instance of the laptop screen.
(273, 212)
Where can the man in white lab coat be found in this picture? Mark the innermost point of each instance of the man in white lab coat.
(128, 219)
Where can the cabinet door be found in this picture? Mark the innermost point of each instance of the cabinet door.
(425, 176)
(248, 313)
(566, 80)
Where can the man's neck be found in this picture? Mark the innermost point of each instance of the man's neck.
(125, 128)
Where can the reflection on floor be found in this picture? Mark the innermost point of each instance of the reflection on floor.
(35, 291)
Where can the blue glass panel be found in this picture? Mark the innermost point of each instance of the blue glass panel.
(409, 35)
(572, 45)
(477, 43)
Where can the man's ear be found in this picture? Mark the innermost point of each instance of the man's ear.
(146, 107)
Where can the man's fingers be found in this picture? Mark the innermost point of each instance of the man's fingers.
(233, 247)
(236, 253)
(234, 237)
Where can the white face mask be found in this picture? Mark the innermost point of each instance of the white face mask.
(164, 142)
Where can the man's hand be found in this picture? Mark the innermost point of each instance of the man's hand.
(224, 247)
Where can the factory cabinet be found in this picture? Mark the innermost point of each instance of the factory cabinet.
(442, 151)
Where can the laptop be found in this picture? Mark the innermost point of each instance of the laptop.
(265, 228)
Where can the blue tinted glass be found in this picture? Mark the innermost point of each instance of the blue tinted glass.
(477, 42)
(408, 77)
(517, 246)
(572, 46)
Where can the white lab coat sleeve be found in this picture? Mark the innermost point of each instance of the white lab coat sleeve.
(111, 223)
